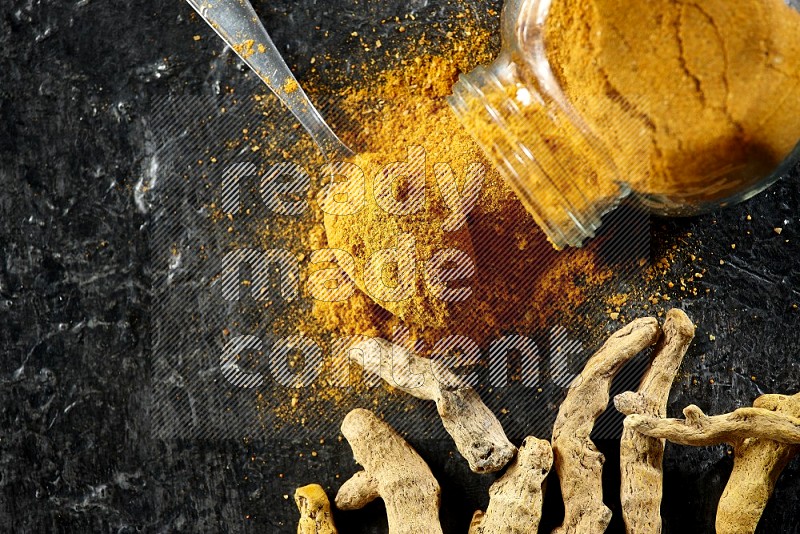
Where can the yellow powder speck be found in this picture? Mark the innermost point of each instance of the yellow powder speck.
(290, 86)
(245, 49)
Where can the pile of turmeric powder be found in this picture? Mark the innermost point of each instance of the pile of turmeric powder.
(519, 282)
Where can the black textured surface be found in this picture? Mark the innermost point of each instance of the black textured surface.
(78, 80)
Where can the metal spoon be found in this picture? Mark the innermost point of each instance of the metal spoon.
(239, 26)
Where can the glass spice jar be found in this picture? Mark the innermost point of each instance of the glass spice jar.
(684, 107)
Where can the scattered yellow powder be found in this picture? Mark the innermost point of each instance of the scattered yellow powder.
(520, 284)
(290, 86)
(245, 49)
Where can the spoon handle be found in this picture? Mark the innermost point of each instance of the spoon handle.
(239, 26)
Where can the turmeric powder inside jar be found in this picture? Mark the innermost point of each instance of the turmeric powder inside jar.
(687, 105)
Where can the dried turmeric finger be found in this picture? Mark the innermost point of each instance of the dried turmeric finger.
(701, 430)
(641, 456)
(477, 433)
(578, 462)
(392, 471)
(764, 438)
(515, 503)
(757, 464)
(315, 511)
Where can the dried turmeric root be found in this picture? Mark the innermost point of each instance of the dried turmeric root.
(764, 439)
(757, 464)
(477, 518)
(477, 433)
(392, 471)
(315, 511)
(701, 430)
(641, 456)
(577, 461)
(515, 503)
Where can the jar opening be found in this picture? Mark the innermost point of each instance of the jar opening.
(555, 167)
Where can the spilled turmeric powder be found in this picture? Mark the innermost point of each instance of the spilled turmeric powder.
(518, 282)
(513, 267)
(245, 49)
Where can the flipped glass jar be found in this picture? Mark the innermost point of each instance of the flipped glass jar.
(685, 107)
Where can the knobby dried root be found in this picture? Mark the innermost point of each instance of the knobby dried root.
(515, 500)
(701, 430)
(757, 464)
(315, 511)
(764, 438)
(641, 456)
(477, 433)
(578, 462)
(392, 471)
